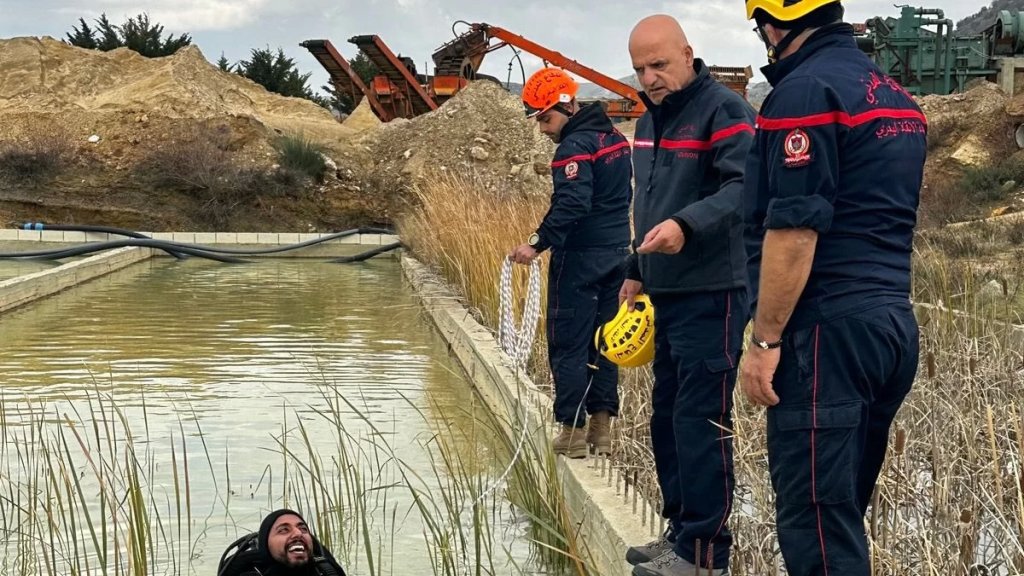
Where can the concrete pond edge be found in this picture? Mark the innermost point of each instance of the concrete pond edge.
(609, 518)
(21, 290)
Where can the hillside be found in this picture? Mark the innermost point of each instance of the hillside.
(157, 143)
(176, 143)
(984, 18)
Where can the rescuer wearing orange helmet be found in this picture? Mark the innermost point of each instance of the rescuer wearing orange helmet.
(587, 230)
(830, 207)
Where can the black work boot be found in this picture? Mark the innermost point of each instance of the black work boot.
(647, 552)
(670, 564)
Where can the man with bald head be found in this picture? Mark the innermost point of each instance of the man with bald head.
(689, 156)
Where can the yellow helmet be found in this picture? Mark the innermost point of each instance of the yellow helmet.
(785, 10)
(628, 339)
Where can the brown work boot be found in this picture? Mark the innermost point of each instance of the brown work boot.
(599, 433)
(571, 441)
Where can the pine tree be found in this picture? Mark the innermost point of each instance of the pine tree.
(146, 38)
(276, 73)
(336, 100)
(136, 33)
(364, 67)
(83, 37)
(108, 36)
(223, 63)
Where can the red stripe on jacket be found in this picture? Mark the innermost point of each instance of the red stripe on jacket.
(590, 157)
(841, 118)
(701, 145)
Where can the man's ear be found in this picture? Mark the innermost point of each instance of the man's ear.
(775, 35)
(688, 52)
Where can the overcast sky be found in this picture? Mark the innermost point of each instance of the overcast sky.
(594, 32)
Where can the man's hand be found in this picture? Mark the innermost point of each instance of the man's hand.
(757, 373)
(628, 292)
(523, 254)
(666, 238)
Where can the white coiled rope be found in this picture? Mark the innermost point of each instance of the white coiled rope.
(517, 341)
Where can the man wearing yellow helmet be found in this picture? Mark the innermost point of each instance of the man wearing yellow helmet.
(587, 230)
(689, 156)
(830, 207)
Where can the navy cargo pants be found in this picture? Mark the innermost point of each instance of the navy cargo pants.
(839, 384)
(583, 294)
(698, 339)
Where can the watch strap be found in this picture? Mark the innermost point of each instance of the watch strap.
(764, 345)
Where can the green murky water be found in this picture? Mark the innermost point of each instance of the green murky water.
(254, 377)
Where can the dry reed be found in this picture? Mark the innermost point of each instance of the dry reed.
(950, 499)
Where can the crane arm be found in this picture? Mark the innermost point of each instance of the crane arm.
(564, 62)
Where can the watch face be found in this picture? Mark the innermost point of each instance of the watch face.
(534, 239)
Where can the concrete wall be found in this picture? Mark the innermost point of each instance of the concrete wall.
(24, 289)
(610, 515)
(17, 240)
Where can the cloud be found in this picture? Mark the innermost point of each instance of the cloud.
(182, 16)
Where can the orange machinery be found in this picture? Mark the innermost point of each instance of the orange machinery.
(398, 92)
(460, 59)
(394, 93)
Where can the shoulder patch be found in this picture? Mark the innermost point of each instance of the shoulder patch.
(797, 146)
(572, 169)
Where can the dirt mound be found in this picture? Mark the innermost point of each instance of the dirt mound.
(106, 114)
(968, 130)
(115, 113)
(46, 75)
(481, 133)
(362, 118)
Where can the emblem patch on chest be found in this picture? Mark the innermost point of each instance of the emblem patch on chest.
(797, 147)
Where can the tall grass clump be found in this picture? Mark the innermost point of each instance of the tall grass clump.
(950, 500)
(203, 162)
(302, 155)
(464, 231)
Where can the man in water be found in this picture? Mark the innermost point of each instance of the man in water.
(284, 546)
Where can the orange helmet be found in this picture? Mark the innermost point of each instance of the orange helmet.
(547, 88)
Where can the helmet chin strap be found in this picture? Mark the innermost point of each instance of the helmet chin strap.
(775, 51)
(568, 113)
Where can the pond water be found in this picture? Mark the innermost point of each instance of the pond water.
(178, 402)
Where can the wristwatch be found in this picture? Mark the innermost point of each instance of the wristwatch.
(533, 240)
(764, 344)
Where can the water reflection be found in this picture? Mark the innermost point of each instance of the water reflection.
(14, 268)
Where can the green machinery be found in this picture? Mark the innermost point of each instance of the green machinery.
(920, 51)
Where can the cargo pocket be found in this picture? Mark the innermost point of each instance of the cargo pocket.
(813, 452)
(708, 391)
(561, 327)
(719, 364)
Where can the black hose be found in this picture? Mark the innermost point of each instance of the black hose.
(255, 251)
(100, 246)
(368, 254)
(91, 228)
(180, 249)
(212, 249)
